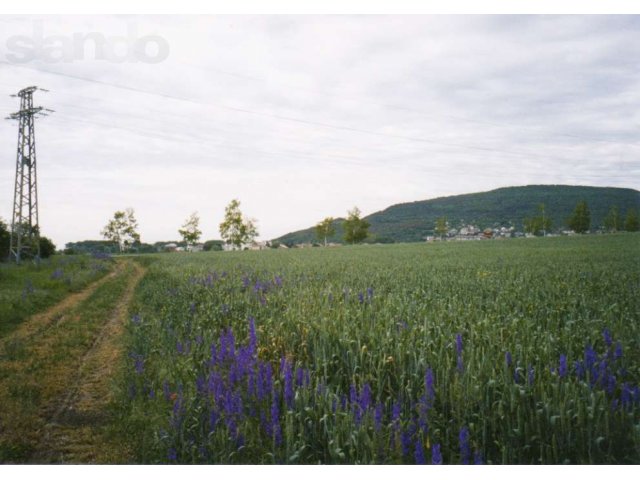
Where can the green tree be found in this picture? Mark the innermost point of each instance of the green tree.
(236, 229)
(122, 229)
(442, 226)
(540, 224)
(189, 232)
(47, 247)
(632, 222)
(325, 229)
(580, 221)
(612, 220)
(355, 228)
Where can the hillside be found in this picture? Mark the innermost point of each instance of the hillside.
(411, 222)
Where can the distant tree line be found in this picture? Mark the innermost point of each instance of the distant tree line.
(580, 220)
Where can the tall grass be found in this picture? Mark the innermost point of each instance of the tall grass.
(522, 351)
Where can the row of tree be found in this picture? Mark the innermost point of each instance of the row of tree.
(236, 229)
(580, 220)
(356, 229)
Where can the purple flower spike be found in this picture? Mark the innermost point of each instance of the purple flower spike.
(530, 374)
(508, 359)
(562, 369)
(377, 418)
(429, 386)
(436, 455)
(172, 455)
(465, 449)
(459, 343)
(288, 385)
(419, 453)
(617, 354)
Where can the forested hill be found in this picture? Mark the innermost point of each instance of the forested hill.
(411, 222)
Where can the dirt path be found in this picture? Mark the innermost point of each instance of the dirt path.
(75, 431)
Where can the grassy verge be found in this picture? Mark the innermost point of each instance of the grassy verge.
(30, 288)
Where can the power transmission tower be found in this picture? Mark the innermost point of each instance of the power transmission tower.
(25, 230)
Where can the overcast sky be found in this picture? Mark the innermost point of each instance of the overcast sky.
(303, 117)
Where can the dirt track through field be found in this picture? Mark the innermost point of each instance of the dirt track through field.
(66, 418)
(74, 433)
(56, 314)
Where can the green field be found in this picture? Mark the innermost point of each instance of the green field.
(502, 352)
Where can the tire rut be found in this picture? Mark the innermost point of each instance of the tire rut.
(75, 431)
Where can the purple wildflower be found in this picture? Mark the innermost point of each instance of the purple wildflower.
(370, 293)
(165, 390)
(562, 369)
(57, 274)
(200, 385)
(429, 386)
(395, 412)
(617, 353)
(275, 419)
(590, 357)
(459, 343)
(419, 453)
(627, 395)
(288, 385)
(172, 455)
(405, 442)
(253, 339)
(353, 393)
(213, 420)
(465, 449)
(139, 364)
(365, 397)
(508, 359)
(530, 374)
(436, 455)
(360, 297)
(477, 458)
(377, 417)
(607, 337)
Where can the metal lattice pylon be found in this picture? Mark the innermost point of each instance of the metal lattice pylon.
(25, 230)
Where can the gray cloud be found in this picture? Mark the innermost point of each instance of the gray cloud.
(305, 116)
